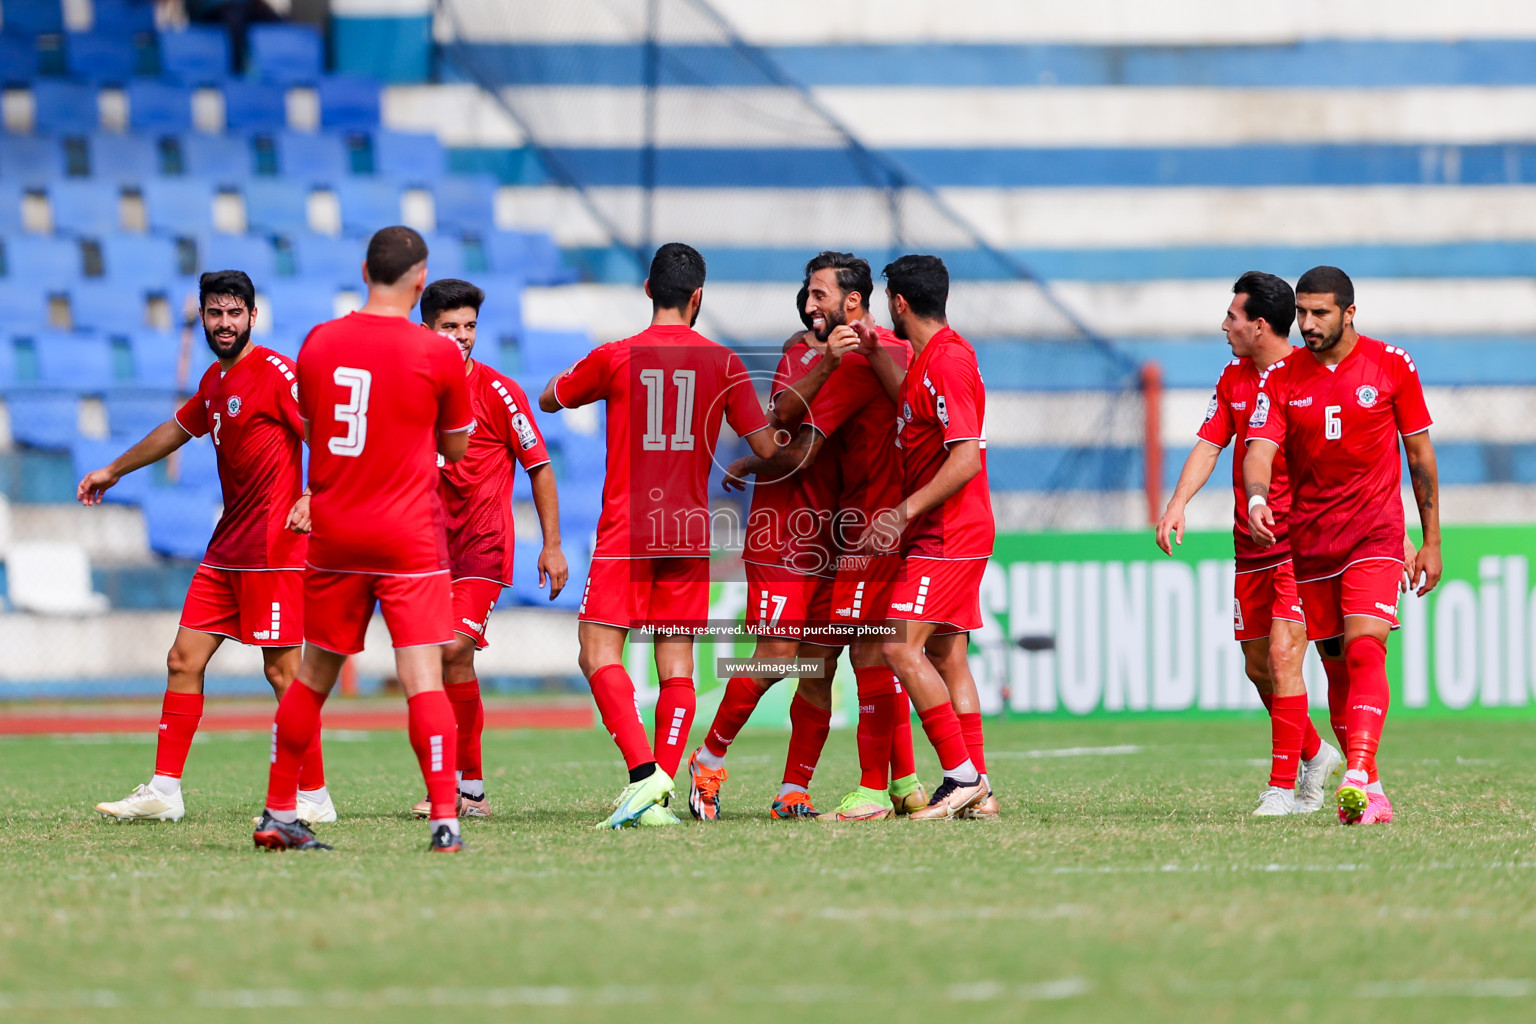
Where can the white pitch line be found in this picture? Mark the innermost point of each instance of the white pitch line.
(1125, 748)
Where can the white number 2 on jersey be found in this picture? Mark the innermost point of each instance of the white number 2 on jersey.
(655, 439)
(353, 412)
(1333, 427)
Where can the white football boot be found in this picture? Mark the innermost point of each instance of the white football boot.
(1312, 780)
(1274, 802)
(145, 803)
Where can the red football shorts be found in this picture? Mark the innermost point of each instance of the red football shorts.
(778, 600)
(417, 609)
(939, 590)
(473, 599)
(1371, 586)
(260, 607)
(1260, 597)
(861, 592)
(634, 592)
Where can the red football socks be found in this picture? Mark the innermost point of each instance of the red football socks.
(1370, 695)
(469, 718)
(615, 696)
(294, 728)
(970, 728)
(434, 737)
(312, 771)
(1338, 699)
(903, 760)
(736, 706)
(179, 715)
(943, 728)
(1287, 721)
(675, 705)
(877, 725)
(808, 728)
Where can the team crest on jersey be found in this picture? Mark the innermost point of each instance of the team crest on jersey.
(1366, 396)
(906, 410)
(1260, 411)
(1210, 408)
(525, 435)
(233, 405)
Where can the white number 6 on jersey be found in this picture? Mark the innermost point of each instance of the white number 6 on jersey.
(353, 412)
(1333, 427)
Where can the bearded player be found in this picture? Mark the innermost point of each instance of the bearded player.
(668, 389)
(1336, 412)
(381, 398)
(249, 587)
(477, 494)
(1267, 617)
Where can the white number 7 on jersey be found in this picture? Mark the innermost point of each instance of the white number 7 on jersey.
(353, 412)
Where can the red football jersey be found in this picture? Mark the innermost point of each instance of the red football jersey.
(1338, 426)
(667, 389)
(375, 392)
(1226, 418)
(477, 490)
(943, 401)
(253, 414)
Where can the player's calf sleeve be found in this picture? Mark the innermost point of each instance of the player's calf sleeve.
(1370, 695)
(736, 706)
(1311, 742)
(1287, 717)
(179, 715)
(808, 728)
(903, 760)
(675, 706)
(877, 725)
(312, 771)
(970, 728)
(1338, 699)
(469, 718)
(943, 728)
(294, 728)
(434, 737)
(615, 696)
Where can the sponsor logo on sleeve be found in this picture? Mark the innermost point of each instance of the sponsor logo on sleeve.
(1366, 395)
(525, 435)
(1211, 406)
(941, 409)
(1260, 411)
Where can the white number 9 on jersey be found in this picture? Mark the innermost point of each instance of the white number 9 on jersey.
(353, 412)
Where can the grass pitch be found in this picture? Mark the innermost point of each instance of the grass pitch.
(1124, 880)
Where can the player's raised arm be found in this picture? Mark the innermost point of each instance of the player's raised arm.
(888, 371)
(793, 403)
(1198, 467)
(1426, 494)
(1258, 465)
(156, 445)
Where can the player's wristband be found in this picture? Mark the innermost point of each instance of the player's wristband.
(1255, 500)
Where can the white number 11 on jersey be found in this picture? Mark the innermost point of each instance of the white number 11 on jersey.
(353, 412)
(655, 439)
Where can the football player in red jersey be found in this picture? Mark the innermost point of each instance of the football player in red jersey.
(381, 398)
(668, 388)
(249, 587)
(943, 527)
(1336, 411)
(477, 492)
(1267, 617)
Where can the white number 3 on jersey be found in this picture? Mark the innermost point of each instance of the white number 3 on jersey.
(353, 412)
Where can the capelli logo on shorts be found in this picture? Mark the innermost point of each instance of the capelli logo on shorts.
(904, 606)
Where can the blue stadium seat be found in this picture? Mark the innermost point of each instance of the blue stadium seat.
(283, 344)
(44, 419)
(23, 307)
(254, 107)
(415, 159)
(106, 304)
(89, 454)
(82, 206)
(64, 108)
(198, 465)
(287, 54)
(180, 520)
(179, 206)
(9, 377)
(18, 60)
(276, 206)
(503, 302)
(41, 261)
(155, 355)
(124, 17)
(367, 204)
(195, 55)
(249, 253)
(531, 255)
(298, 305)
(159, 107)
(34, 17)
(223, 159)
(349, 103)
(31, 161)
(78, 360)
(465, 203)
(132, 414)
(445, 256)
(99, 57)
(546, 353)
(10, 207)
(316, 159)
(322, 259)
(125, 159)
(139, 259)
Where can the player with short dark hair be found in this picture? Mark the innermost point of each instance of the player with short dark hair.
(1267, 615)
(1336, 412)
(668, 389)
(382, 398)
(249, 587)
(477, 494)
